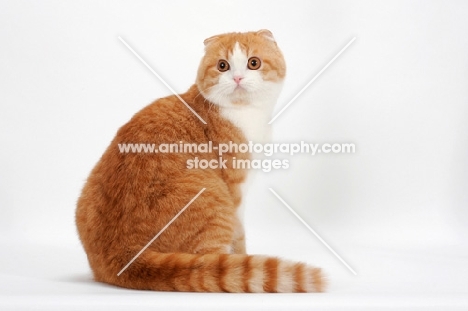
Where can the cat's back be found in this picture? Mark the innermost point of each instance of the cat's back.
(132, 176)
(132, 158)
(164, 120)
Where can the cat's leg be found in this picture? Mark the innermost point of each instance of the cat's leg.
(215, 237)
(238, 242)
(222, 239)
(214, 248)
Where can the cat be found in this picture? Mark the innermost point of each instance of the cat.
(129, 197)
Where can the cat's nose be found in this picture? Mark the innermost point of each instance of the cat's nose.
(238, 79)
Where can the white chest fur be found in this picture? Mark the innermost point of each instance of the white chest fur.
(251, 120)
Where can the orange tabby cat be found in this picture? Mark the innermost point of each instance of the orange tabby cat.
(129, 197)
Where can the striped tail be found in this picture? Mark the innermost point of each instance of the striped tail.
(234, 273)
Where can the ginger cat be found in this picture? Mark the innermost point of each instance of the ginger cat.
(129, 197)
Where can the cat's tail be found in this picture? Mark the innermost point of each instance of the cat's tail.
(234, 273)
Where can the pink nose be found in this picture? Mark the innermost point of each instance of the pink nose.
(237, 79)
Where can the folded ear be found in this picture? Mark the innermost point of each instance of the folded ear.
(210, 40)
(267, 34)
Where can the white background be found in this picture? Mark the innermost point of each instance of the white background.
(396, 210)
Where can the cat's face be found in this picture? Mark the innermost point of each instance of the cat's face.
(239, 68)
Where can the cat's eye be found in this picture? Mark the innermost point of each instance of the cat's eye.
(254, 63)
(223, 65)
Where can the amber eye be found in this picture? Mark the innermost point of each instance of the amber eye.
(254, 63)
(223, 65)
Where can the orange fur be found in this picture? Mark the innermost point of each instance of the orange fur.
(255, 43)
(129, 197)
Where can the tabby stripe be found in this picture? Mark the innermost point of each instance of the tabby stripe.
(182, 273)
(222, 271)
(299, 277)
(247, 274)
(200, 273)
(211, 273)
(168, 265)
(222, 226)
(194, 270)
(271, 275)
(257, 276)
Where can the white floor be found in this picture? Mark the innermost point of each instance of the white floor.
(46, 277)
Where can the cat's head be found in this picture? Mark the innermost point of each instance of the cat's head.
(238, 68)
